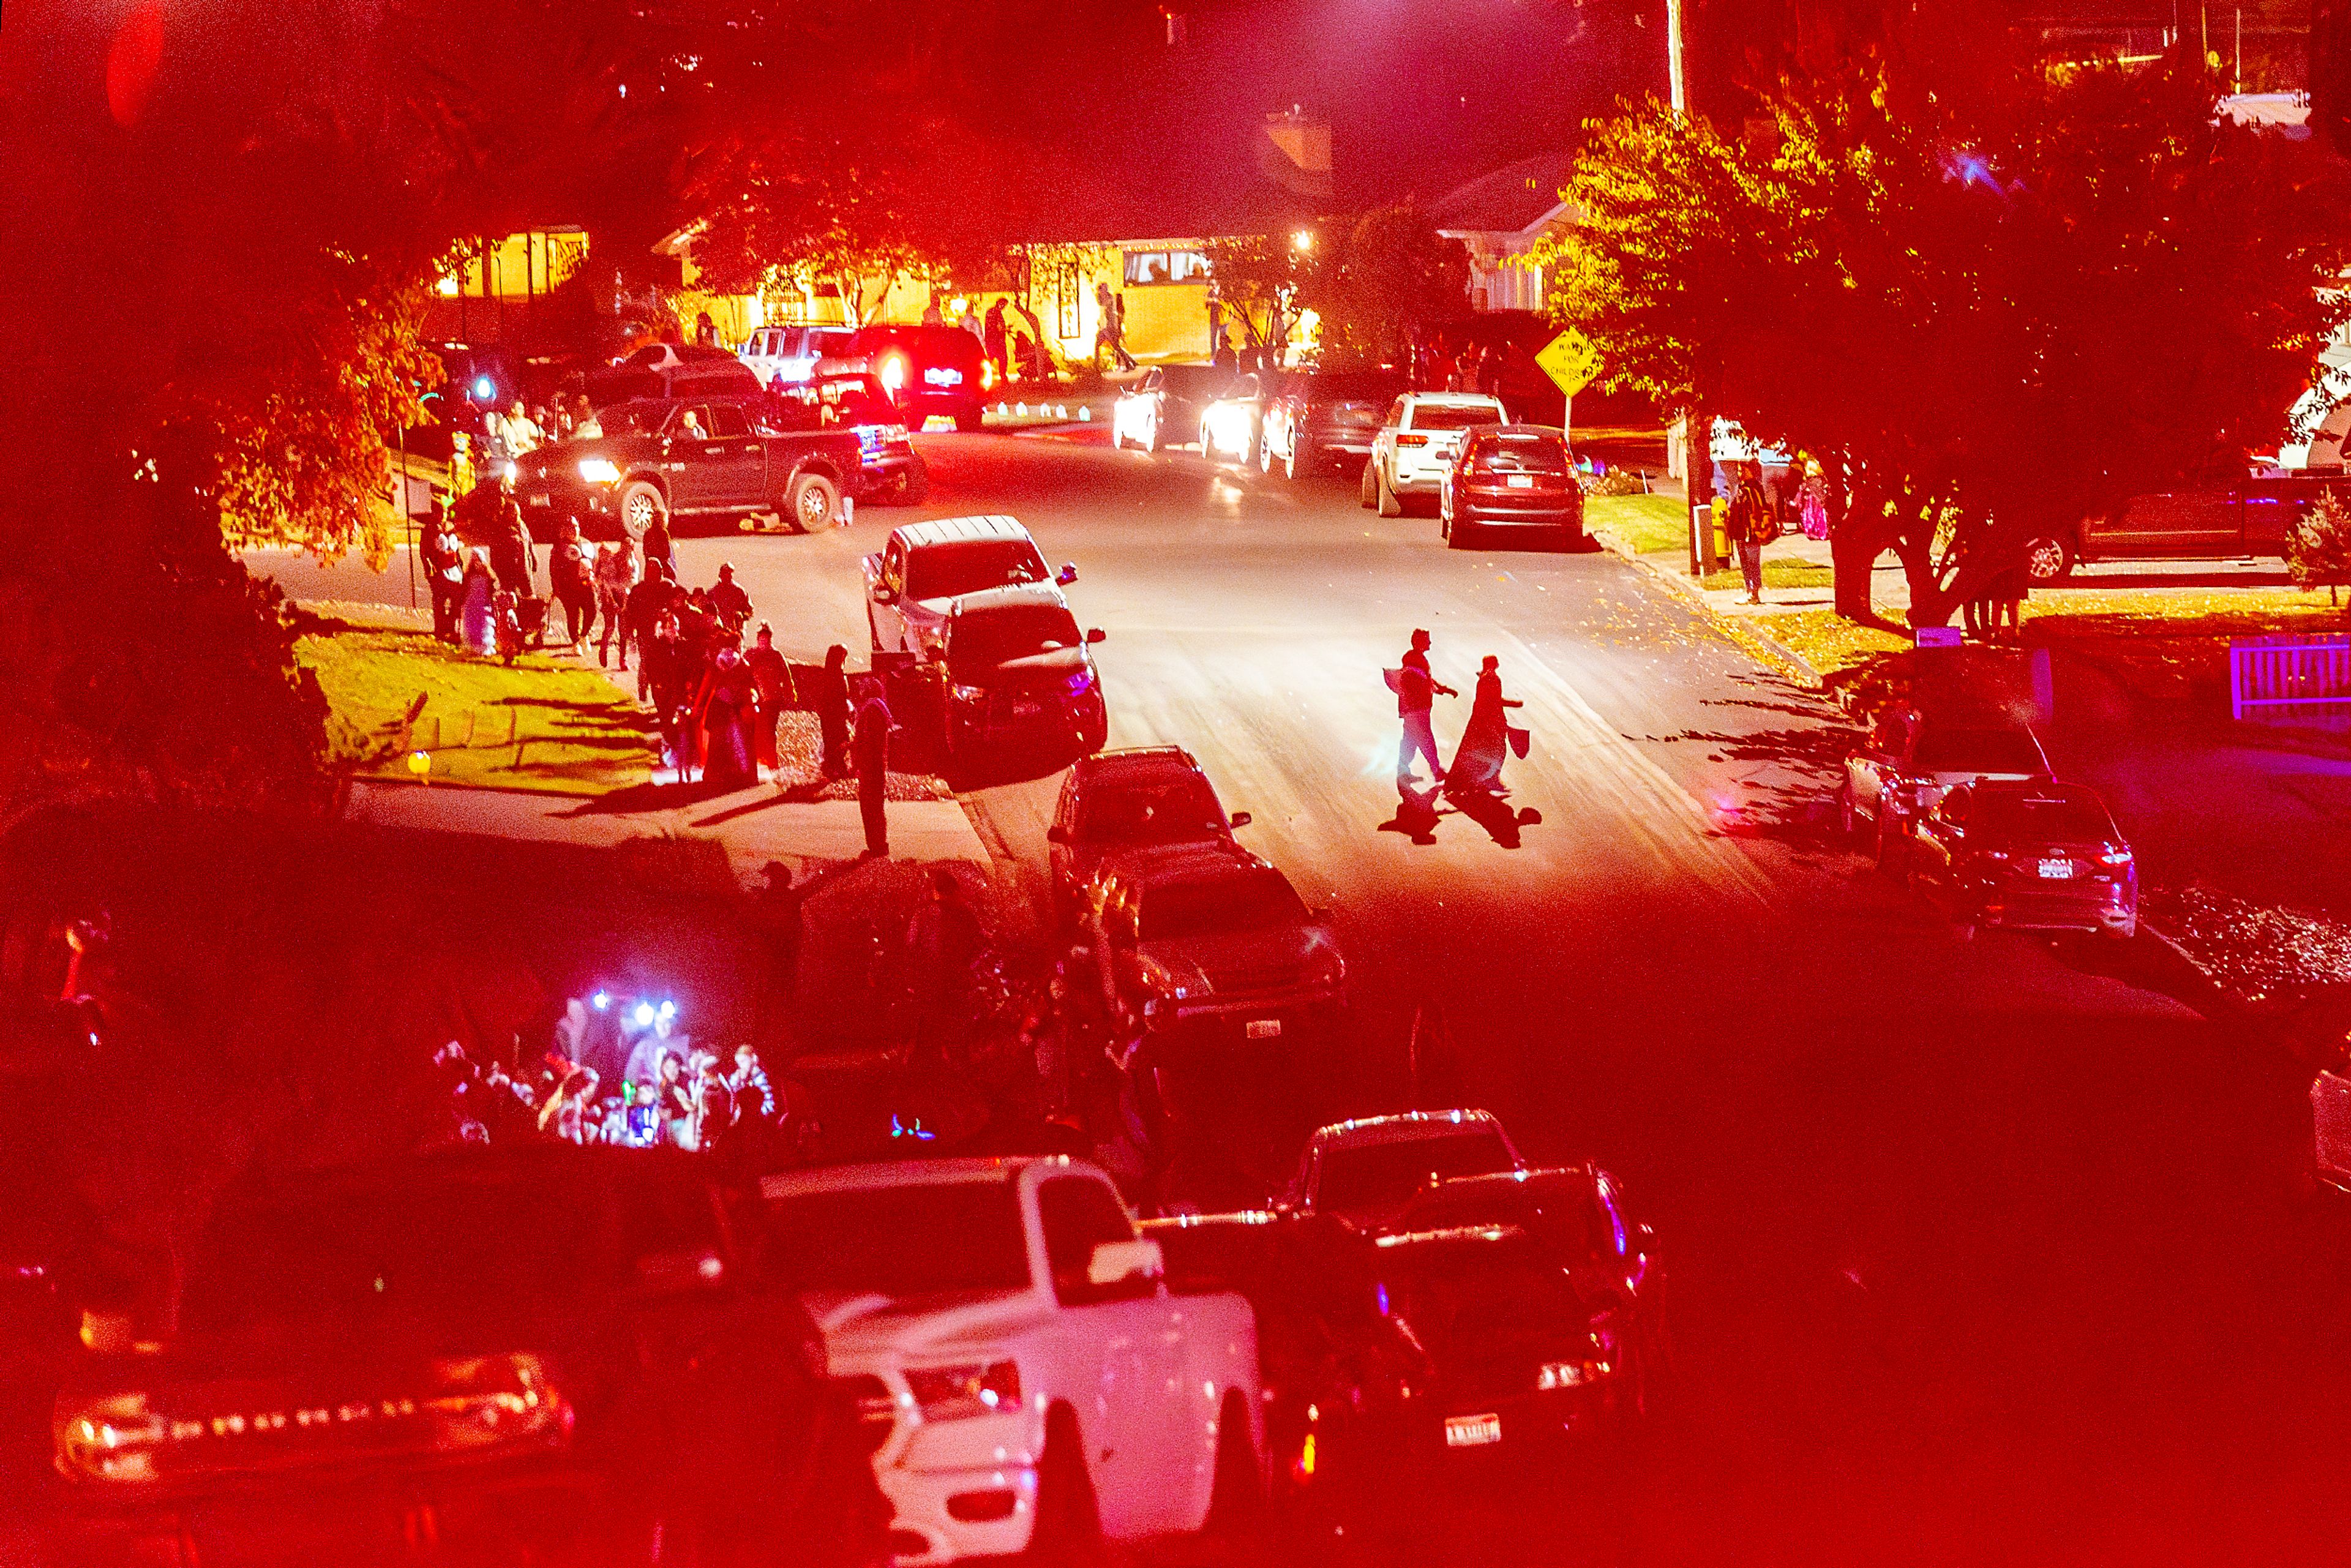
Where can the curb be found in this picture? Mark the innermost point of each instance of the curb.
(1744, 627)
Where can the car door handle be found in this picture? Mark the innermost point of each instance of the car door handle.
(713, 451)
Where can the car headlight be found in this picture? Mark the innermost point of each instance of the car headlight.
(895, 435)
(599, 471)
(111, 1439)
(959, 1393)
(964, 694)
(1329, 970)
(1081, 683)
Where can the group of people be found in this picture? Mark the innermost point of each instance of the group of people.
(1439, 365)
(1015, 356)
(1486, 742)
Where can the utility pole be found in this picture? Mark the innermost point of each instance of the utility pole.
(1697, 464)
(1674, 57)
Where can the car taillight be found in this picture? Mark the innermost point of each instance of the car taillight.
(2114, 855)
(1408, 440)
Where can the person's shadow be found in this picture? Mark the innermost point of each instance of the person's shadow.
(1501, 820)
(1416, 814)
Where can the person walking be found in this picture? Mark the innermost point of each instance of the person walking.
(825, 692)
(646, 603)
(991, 338)
(573, 579)
(478, 592)
(1477, 760)
(513, 556)
(658, 546)
(870, 742)
(1416, 689)
(616, 574)
(730, 603)
(1752, 526)
(969, 322)
(773, 680)
(444, 572)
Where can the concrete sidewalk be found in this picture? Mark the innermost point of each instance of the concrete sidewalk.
(754, 826)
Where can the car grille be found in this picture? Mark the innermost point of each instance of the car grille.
(877, 1408)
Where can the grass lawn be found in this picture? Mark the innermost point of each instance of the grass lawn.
(1784, 573)
(1827, 641)
(542, 723)
(2172, 645)
(1648, 523)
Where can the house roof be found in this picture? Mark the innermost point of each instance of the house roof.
(1511, 199)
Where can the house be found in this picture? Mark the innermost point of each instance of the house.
(1500, 218)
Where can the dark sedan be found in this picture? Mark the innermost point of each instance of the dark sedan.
(2038, 856)
(1165, 407)
(1326, 417)
(1513, 481)
(1341, 1373)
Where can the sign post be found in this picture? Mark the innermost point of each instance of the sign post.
(1570, 362)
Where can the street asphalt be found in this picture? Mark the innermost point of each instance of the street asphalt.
(1977, 1252)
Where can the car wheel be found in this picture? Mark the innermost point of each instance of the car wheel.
(1068, 1531)
(640, 507)
(808, 502)
(1370, 496)
(1891, 853)
(913, 488)
(1264, 452)
(1299, 462)
(1848, 815)
(2048, 559)
(1389, 505)
(1236, 1498)
(1150, 442)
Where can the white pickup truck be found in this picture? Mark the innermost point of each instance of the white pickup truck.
(1027, 1379)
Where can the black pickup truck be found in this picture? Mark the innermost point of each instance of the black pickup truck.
(715, 459)
(2219, 517)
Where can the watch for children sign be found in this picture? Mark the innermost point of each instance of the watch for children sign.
(1570, 360)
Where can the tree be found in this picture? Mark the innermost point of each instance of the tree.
(2318, 546)
(1379, 280)
(1992, 305)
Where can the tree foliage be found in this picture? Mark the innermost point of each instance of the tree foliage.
(1379, 280)
(2318, 546)
(1993, 304)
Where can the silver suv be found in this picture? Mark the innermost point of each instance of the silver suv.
(912, 582)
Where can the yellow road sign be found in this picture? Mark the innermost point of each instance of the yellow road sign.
(1570, 360)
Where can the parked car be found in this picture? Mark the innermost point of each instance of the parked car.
(788, 356)
(1416, 447)
(2037, 856)
(1027, 1379)
(1524, 1351)
(1322, 417)
(913, 582)
(684, 372)
(1232, 424)
(2225, 513)
(1339, 1375)
(1141, 797)
(927, 370)
(1514, 480)
(1015, 673)
(673, 460)
(1903, 771)
(1165, 407)
(534, 1352)
(1368, 1170)
(1209, 937)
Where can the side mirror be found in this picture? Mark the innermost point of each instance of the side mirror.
(1094, 633)
(1068, 574)
(1239, 820)
(1117, 1263)
(1057, 834)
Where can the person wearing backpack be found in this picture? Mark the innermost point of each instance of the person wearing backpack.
(1753, 525)
(574, 583)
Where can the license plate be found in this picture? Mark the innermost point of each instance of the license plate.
(1264, 1028)
(1027, 710)
(1472, 1432)
(2056, 871)
(1522, 482)
(535, 500)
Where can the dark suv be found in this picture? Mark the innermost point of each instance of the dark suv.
(1141, 797)
(927, 370)
(1016, 671)
(530, 1354)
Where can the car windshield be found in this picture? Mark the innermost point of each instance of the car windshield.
(1523, 454)
(986, 638)
(1164, 812)
(632, 418)
(1563, 1216)
(1377, 1175)
(943, 572)
(1465, 1299)
(924, 1240)
(1249, 900)
(435, 1250)
(1978, 751)
(1195, 381)
(2058, 817)
(1443, 416)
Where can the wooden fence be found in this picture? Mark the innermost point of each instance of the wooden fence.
(2277, 677)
